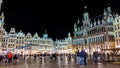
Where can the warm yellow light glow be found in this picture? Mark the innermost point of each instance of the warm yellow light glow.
(75, 50)
(99, 50)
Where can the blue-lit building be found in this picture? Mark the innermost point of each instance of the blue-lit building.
(46, 44)
(96, 33)
(19, 42)
(64, 46)
(1, 25)
(117, 30)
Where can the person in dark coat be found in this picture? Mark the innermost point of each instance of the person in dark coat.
(95, 57)
(82, 57)
(78, 57)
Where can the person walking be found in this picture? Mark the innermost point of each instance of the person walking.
(1, 58)
(10, 56)
(95, 57)
(85, 58)
(35, 57)
(6, 59)
(78, 57)
(82, 58)
(15, 57)
(108, 57)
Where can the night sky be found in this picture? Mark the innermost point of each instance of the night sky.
(56, 16)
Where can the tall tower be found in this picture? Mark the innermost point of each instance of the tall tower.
(86, 20)
(1, 24)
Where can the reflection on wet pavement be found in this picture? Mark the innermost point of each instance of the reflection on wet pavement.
(60, 62)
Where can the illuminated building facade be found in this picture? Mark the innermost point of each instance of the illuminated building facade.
(46, 44)
(94, 34)
(117, 31)
(11, 43)
(1, 24)
(4, 41)
(28, 40)
(17, 41)
(64, 46)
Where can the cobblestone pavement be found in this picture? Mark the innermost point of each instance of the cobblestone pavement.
(60, 63)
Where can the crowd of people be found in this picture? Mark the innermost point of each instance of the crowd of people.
(81, 57)
(9, 58)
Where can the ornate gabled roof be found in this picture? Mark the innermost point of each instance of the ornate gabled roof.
(20, 33)
(12, 30)
(29, 34)
(36, 36)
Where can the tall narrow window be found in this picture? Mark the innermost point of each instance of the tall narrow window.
(119, 33)
(115, 34)
(118, 26)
